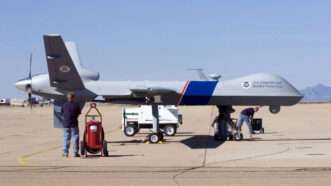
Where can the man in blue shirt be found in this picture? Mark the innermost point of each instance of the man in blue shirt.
(71, 111)
(246, 116)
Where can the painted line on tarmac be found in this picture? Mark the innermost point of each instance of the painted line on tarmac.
(23, 160)
(4, 153)
(287, 149)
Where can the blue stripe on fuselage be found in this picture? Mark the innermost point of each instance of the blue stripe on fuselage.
(198, 92)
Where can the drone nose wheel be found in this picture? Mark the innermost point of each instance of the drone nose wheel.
(155, 137)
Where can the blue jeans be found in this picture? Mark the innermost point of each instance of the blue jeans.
(71, 133)
(241, 120)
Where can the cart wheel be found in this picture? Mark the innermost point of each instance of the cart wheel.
(83, 152)
(105, 152)
(170, 130)
(262, 131)
(130, 130)
(155, 138)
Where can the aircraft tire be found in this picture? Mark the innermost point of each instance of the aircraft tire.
(222, 130)
(155, 138)
(231, 137)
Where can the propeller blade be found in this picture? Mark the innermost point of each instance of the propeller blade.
(30, 66)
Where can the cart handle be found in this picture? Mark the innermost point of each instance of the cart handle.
(93, 106)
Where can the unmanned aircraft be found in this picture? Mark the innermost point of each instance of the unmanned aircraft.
(66, 74)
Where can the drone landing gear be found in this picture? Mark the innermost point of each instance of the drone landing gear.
(222, 122)
(157, 135)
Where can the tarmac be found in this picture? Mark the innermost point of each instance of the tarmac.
(294, 150)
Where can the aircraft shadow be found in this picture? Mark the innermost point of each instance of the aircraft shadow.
(202, 142)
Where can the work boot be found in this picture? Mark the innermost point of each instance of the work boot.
(76, 155)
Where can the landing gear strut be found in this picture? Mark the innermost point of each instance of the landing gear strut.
(156, 135)
(222, 123)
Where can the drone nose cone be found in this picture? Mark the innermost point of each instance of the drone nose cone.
(23, 84)
(299, 96)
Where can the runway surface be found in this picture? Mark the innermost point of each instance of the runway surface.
(295, 150)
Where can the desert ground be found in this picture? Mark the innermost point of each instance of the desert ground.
(295, 150)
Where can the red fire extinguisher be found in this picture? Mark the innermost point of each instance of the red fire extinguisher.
(94, 137)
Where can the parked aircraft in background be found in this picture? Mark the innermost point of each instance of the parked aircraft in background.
(65, 74)
(4, 101)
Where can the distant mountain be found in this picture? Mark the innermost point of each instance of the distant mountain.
(318, 93)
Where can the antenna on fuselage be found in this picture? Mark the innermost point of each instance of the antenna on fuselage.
(203, 76)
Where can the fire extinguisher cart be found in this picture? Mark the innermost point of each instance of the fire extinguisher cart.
(94, 137)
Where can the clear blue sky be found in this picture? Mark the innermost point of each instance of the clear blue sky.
(160, 40)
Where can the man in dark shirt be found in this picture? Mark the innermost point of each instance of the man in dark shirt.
(71, 111)
(246, 116)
